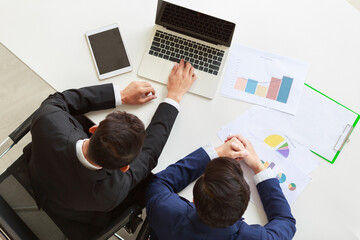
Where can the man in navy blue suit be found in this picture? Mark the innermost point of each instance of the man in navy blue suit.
(221, 196)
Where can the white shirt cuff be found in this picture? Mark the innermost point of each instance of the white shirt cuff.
(172, 102)
(117, 95)
(263, 175)
(210, 150)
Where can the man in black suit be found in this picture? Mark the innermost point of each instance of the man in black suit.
(85, 178)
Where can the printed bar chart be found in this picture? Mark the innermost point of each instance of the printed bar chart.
(277, 89)
(264, 78)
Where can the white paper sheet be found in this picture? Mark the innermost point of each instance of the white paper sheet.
(248, 65)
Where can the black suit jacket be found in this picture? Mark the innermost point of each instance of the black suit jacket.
(62, 185)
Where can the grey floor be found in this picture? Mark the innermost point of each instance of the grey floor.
(21, 92)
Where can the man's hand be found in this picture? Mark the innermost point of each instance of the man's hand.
(251, 159)
(180, 80)
(232, 148)
(137, 93)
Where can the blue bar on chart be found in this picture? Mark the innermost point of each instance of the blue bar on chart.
(251, 86)
(284, 90)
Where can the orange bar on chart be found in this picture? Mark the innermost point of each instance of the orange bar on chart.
(273, 88)
(240, 83)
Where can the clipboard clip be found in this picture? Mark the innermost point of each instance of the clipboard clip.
(344, 138)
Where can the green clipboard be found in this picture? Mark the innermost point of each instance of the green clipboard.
(350, 122)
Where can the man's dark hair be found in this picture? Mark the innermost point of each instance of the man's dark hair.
(221, 194)
(117, 141)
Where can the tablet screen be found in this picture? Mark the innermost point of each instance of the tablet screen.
(109, 51)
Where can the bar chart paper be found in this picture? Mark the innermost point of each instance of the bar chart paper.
(264, 78)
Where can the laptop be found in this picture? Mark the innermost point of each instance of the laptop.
(181, 33)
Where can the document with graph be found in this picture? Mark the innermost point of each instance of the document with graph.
(264, 78)
(290, 160)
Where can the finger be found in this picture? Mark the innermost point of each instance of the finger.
(174, 69)
(243, 140)
(194, 77)
(192, 71)
(229, 137)
(181, 66)
(148, 90)
(147, 98)
(233, 136)
(235, 147)
(240, 154)
(145, 84)
(187, 68)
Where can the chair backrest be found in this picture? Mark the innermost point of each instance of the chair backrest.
(11, 226)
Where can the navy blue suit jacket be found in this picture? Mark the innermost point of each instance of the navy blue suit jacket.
(173, 217)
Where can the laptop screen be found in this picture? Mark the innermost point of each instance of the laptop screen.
(194, 24)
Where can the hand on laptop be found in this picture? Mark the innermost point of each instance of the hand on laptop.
(251, 159)
(180, 80)
(137, 93)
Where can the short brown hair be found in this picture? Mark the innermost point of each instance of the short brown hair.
(117, 141)
(221, 194)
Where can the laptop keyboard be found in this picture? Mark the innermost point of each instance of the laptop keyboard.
(174, 48)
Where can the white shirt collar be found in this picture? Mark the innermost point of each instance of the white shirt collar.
(81, 157)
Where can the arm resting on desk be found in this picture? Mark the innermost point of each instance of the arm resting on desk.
(281, 223)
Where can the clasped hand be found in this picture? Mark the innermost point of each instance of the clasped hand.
(238, 147)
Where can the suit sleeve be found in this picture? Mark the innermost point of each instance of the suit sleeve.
(157, 134)
(281, 223)
(80, 101)
(176, 177)
(161, 197)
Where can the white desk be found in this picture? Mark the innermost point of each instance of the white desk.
(49, 37)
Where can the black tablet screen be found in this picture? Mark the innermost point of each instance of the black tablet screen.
(109, 51)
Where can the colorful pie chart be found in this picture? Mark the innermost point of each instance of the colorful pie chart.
(292, 186)
(274, 141)
(284, 150)
(281, 177)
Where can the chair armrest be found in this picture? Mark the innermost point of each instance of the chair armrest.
(22, 130)
(16, 135)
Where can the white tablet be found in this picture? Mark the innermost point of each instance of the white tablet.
(108, 51)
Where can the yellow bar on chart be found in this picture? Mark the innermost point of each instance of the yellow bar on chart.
(261, 91)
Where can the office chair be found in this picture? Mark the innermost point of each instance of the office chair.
(13, 227)
(145, 231)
